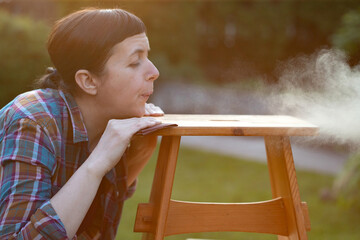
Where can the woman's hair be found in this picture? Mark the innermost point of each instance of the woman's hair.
(84, 40)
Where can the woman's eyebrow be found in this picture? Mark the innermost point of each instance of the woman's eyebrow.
(138, 51)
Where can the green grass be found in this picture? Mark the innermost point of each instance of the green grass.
(203, 176)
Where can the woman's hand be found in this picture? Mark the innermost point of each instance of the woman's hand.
(73, 200)
(152, 110)
(114, 142)
(142, 147)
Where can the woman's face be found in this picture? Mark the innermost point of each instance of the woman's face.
(128, 79)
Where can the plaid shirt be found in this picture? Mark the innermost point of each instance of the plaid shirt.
(43, 141)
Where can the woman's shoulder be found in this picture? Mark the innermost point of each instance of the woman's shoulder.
(40, 105)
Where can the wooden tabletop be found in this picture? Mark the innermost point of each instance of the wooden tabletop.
(236, 125)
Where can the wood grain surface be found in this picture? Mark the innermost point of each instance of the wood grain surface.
(236, 125)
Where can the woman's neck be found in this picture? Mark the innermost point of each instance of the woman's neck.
(94, 121)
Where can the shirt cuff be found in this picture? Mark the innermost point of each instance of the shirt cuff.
(47, 222)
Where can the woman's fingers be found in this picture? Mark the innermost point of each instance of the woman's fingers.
(145, 122)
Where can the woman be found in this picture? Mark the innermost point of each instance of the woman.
(66, 163)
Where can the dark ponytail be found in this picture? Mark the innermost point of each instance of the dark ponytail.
(51, 79)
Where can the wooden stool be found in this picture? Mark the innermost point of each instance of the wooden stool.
(284, 215)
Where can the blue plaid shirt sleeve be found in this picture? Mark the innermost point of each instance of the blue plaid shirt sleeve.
(27, 162)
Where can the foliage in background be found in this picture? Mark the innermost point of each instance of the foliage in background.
(23, 54)
(347, 37)
(220, 41)
(229, 41)
(223, 42)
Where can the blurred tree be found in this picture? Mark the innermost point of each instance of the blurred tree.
(36, 9)
(23, 54)
(263, 33)
(347, 36)
(222, 41)
(229, 41)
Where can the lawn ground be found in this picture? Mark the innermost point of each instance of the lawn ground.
(201, 176)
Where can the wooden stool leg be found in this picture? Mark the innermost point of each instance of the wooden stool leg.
(284, 184)
(162, 186)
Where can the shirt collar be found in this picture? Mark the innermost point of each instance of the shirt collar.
(79, 129)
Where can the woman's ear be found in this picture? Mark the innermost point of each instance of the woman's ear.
(86, 82)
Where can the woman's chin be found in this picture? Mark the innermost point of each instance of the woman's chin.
(140, 113)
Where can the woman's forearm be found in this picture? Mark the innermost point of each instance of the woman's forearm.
(74, 199)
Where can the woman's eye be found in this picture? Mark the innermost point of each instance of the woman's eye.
(135, 64)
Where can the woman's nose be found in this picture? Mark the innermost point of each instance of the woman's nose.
(153, 72)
